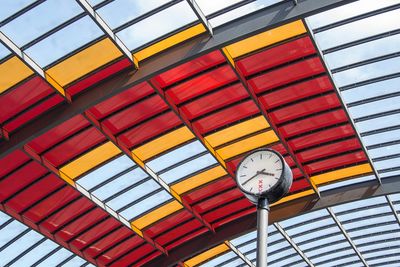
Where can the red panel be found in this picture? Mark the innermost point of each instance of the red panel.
(209, 190)
(286, 75)
(226, 116)
(276, 56)
(145, 131)
(95, 233)
(12, 161)
(73, 229)
(218, 200)
(246, 211)
(188, 69)
(313, 123)
(146, 259)
(335, 162)
(227, 210)
(59, 133)
(74, 146)
(108, 241)
(97, 76)
(20, 178)
(178, 231)
(121, 100)
(296, 173)
(214, 101)
(134, 256)
(120, 249)
(168, 223)
(289, 160)
(321, 137)
(305, 108)
(201, 84)
(33, 113)
(22, 97)
(68, 213)
(187, 238)
(280, 148)
(299, 185)
(328, 150)
(296, 92)
(135, 114)
(51, 204)
(35, 192)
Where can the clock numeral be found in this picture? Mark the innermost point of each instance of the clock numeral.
(270, 155)
(243, 175)
(244, 167)
(251, 189)
(260, 156)
(252, 159)
(278, 169)
(277, 161)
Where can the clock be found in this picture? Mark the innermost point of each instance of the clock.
(264, 174)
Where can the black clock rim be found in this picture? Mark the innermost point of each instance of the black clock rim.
(265, 193)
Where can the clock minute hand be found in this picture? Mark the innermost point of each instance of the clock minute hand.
(266, 173)
(248, 180)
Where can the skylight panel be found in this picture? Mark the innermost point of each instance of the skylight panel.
(241, 11)
(64, 41)
(10, 7)
(75, 261)
(40, 20)
(158, 25)
(37, 253)
(220, 259)
(377, 123)
(347, 183)
(4, 52)
(340, 35)
(118, 12)
(364, 51)
(381, 138)
(347, 11)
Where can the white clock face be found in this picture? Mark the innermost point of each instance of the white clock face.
(259, 171)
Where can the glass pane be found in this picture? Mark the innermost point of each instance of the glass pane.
(350, 32)
(381, 138)
(10, 7)
(40, 20)
(119, 12)
(157, 25)
(37, 253)
(64, 41)
(3, 51)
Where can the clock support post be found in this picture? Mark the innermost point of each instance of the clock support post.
(262, 231)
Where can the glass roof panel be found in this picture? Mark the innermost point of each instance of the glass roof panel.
(357, 53)
(221, 259)
(241, 11)
(160, 24)
(10, 7)
(4, 52)
(37, 253)
(40, 20)
(119, 12)
(350, 32)
(346, 183)
(64, 41)
(347, 11)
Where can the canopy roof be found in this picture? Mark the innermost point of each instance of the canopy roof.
(122, 123)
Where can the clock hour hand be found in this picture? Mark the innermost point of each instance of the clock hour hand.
(248, 180)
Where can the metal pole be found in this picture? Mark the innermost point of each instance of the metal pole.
(262, 232)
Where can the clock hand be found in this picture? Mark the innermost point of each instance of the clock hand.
(248, 180)
(266, 173)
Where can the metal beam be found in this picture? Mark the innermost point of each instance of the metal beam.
(346, 235)
(199, 13)
(293, 244)
(278, 213)
(239, 254)
(246, 26)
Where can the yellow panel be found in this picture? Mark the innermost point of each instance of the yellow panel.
(199, 179)
(228, 56)
(84, 62)
(157, 214)
(169, 42)
(212, 150)
(211, 253)
(266, 38)
(248, 144)
(294, 196)
(89, 160)
(54, 83)
(237, 131)
(163, 143)
(12, 72)
(341, 174)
